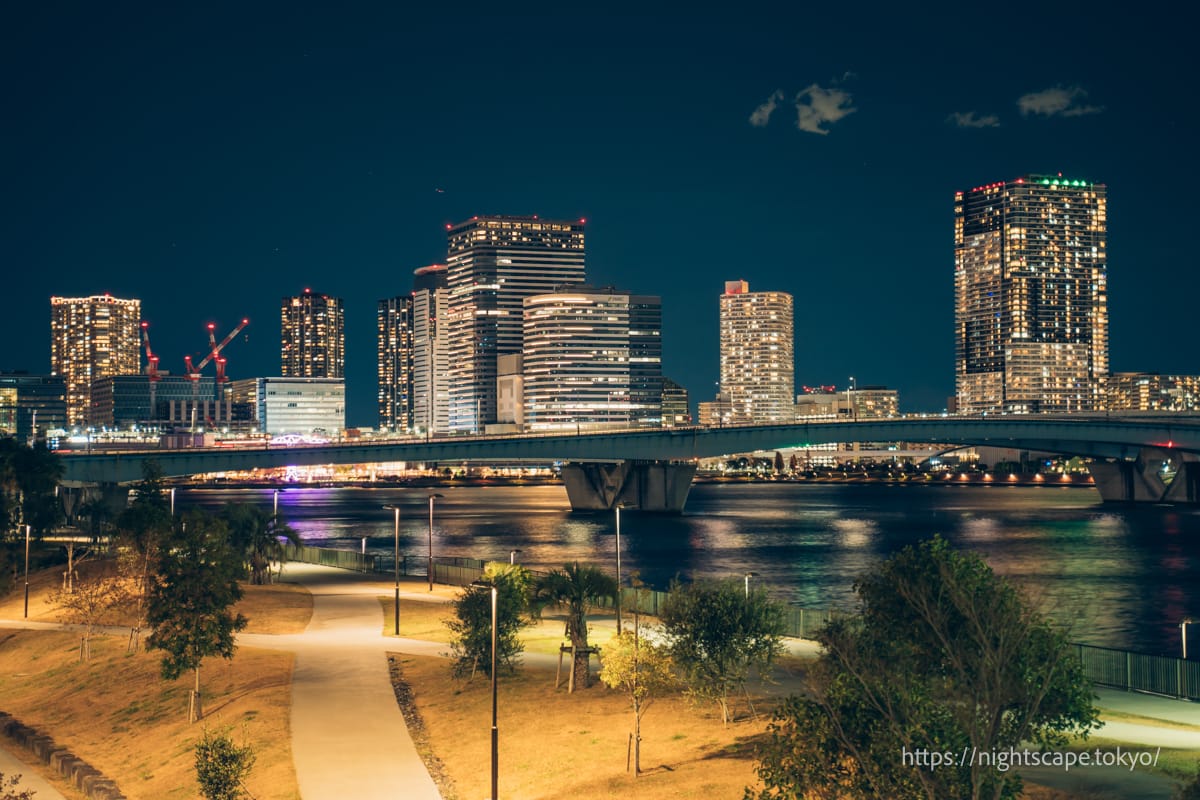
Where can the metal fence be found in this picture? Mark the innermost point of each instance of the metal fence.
(1140, 672)
(1103, 666)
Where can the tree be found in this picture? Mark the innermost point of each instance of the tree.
(141, 532)
(257, 536)
(1189, 790)
(717, 632)
(89, 603)
(471, 645)
(642, 670)
(944, 657)
(579, 589)
(190, 601)
(9, 788)
(222, 767)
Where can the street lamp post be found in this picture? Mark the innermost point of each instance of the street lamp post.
(172, 501)
(618, 508)
(430, 570)
(749, 575)
(1182, 634)
(512, 555)
(396, 568)
(275, 510)
(495, 730)
(28, 531)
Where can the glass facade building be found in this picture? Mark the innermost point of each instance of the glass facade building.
(304, 406)
(757, 357)
(1031, 296)
(1146, 391)
(91, 338)
(31, 405)
(312, 336)
(492, 264)
(593, 357)
(413, 355)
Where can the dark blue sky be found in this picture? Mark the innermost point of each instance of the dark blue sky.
(209, 160)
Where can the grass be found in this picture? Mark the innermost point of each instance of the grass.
(116, 712)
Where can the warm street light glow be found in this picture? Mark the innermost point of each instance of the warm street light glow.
(512, 555)
(749, 575)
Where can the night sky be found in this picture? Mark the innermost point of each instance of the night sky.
(210, 159)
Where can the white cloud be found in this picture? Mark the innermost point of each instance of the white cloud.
(969, 119)
(1057, 101)
(762, 114)
(816, 107)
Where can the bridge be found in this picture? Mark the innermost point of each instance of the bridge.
(653, 469)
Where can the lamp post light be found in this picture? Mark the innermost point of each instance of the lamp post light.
(512, 555)
(275, 510)
(430, 569)
(495, 730)
(618, 508)
(749, 575)
(28, 531)
(1183, 634)
(172, 501)
(396, 568)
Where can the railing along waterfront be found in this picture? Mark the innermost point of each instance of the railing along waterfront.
(1102, 666)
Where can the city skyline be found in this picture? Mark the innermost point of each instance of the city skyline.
(208, 168)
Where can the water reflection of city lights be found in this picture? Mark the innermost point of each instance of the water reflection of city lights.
(855, 532)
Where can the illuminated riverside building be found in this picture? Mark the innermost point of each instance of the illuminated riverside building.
(675, 408)
(1145, 391)
(757, 362)
(394, 358)
(31, 405)
(492, 264)
(91, 338)
(412, 357)
(312, 336)
(1031, 296)
(285, 405)
(593, 357)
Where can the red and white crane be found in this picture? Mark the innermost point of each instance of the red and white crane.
(151, 370)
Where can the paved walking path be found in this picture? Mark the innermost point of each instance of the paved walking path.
(348, 735)
(11, 765)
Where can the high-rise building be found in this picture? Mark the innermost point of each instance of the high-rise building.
(430, 347)
(394, 357)
(92, 337)
(312, 336)
(593, 356)
(757, 361)
(304, 406)
(1031, 296)
(493, 264)
(412, 355)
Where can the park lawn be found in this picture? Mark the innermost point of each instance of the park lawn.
(554, 744)
(116, 712)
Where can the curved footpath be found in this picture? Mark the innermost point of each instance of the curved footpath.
(348, 735)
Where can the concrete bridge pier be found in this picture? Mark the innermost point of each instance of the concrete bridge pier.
(645, 485)
(1141, 480)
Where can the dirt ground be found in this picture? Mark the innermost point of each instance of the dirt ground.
(116, 712)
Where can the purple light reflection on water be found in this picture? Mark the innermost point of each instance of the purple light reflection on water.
(1125, 574)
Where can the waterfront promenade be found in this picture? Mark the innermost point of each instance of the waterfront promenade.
(349, 736)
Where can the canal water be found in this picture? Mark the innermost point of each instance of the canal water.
(1122, 576)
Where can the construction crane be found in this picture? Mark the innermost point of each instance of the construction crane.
(215, 348)
(151, 370)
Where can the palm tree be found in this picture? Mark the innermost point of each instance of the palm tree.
(257, 534)
(579, 589)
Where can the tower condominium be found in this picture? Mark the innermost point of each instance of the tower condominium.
(312, 336)
(494, 263)
(757, 359)
(412, 356)
(593, 357)
(1031, 296)
(90, 338)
